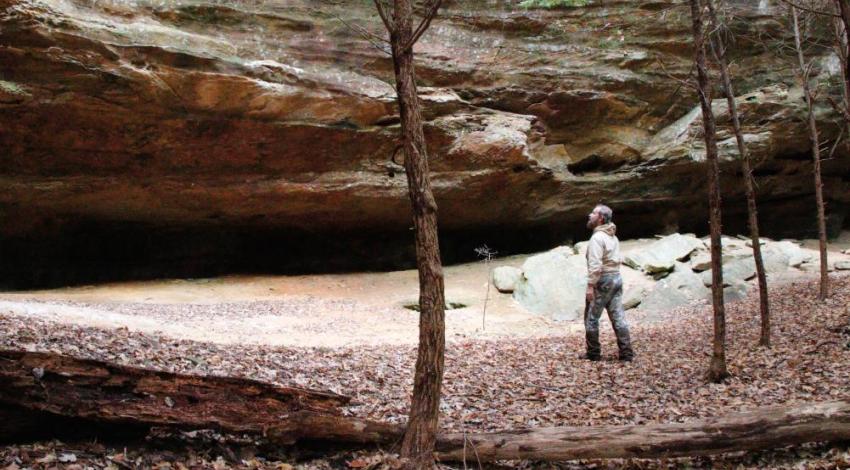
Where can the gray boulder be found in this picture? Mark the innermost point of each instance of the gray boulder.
(553, 284)
(736, 291)
(728, 243)
(736, 270)
(762, 242)
(633, 296)
(661, 255)
(679, 288)
(701, 261)
(813, 266)
(739, 264)
(796, 255)
(775, 261)
(580, 248)
(842, 265)
(505, 278)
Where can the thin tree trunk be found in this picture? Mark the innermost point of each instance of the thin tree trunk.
(842, 37)
(813, 134)
(420, 436)
(749, 186)
(717, 369)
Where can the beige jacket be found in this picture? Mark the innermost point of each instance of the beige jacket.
(603, 253)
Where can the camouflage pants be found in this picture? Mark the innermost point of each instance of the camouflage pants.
(608, 296)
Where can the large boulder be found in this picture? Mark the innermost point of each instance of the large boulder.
(553, 284)
(813, 266)
(701, 260)
(739, 263)
(679, 288)
(787, 249)
(735, 271)
(661, 255)
(736, 291)
(633, 296)
(775, 262)
(505, 278)
(580, 248)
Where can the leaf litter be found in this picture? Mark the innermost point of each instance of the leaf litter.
(493, 385)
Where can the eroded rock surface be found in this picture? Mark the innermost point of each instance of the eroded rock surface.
(506, 278)
(176, 133)
(661, 256)
(552, 284)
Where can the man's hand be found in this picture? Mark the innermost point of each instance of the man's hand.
(588, 295)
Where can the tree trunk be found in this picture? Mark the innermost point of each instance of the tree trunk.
(813, 135)
(842, 37)
(38, 386)
(749, 186)
(419, 438)
(760, 429)
(717, 369)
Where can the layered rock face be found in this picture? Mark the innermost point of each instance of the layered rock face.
(192, 137)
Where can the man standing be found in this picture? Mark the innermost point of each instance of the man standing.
(604, 285)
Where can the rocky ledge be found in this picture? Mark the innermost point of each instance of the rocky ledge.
(194, 137)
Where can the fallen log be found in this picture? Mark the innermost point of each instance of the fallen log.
(763, 428)
(19, 425)
(85, 392)
(35, 384)
(310, 426)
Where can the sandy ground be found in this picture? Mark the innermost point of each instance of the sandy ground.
(331, 310)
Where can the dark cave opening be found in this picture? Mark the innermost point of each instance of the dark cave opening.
(96, 251)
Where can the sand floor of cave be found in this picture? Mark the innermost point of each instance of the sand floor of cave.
(331, 310)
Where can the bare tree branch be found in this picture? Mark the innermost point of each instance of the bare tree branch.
(838, 108)
(388, 22)
(837, 141)
(683, 82)
(373, 39)
(810, 10)
(365, 32)
(426, 22)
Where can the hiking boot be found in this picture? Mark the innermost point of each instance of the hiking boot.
(589, 357)
(624, 344)
(594, 351)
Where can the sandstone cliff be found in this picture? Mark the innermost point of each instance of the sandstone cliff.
(195, 136)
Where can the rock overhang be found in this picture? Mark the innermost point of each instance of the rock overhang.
(210, 115)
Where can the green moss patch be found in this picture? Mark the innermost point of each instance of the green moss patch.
(13, 88)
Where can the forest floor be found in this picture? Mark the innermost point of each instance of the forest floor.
(520, 372)
(329, 310)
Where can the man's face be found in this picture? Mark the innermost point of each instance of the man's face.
(594, 219)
